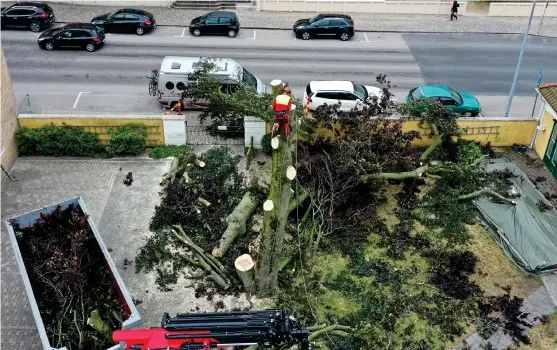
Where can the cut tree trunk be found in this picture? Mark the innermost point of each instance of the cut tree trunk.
(275, 216)
(236, 224)
(245, 268)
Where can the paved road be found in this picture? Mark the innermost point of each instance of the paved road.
(112, 79)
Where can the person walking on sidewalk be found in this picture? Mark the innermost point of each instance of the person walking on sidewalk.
(454, 10)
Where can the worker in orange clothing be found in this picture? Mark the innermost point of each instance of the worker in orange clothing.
(282, 105)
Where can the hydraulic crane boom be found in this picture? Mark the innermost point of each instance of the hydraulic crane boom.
(218, 330)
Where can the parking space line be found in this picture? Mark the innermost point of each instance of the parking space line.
(253, 36)
(78, 96)
(181, 36)
(367, 40)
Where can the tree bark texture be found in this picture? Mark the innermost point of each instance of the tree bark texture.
(236, 224)
(274, 220)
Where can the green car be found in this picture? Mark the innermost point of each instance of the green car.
(460, 102)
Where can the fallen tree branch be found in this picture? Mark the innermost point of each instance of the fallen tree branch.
(327, 329)
(396, 176)
(486, 191)
(214, 270)
(437, 139)
(172, 171)
(294, 203)
(236, 224)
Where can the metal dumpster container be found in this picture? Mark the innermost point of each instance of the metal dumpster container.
(133, 319)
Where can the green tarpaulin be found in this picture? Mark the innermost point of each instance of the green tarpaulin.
(527, 235)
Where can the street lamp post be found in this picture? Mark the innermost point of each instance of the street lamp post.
(526, 33)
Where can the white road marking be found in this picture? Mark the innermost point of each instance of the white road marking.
(253, 36)
(78, 96)
(181, 36)
(367, 40)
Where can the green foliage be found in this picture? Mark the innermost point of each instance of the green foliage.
(266, 144)
(543, 206)
(59, 141)
(446, 212)
(128, 139)
(431, 112)
(470, 152)
(221, 184)
(226, 105)
(166, 151)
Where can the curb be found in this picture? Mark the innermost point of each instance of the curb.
(369, 31)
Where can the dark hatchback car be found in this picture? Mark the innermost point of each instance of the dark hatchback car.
(216, 23)
(73, 35)
(325, 26)
(33, 15)
(126, 21)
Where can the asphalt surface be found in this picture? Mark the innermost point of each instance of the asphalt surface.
(112, 79)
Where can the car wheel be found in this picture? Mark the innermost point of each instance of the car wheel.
(140, 31)
(49, 46)
(196, 32)
(306, 36)
(90, 47)
(35, 27)
(469, 114)
(344, 36)
(231, 33)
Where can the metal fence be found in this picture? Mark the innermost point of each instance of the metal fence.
(210, 135)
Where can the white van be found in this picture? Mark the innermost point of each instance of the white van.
(175, 71)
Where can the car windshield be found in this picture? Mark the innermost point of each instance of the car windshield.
(360, 91)
(456, 96)
(314, 18)
(249, 79)
(205, 16)
(417, 93)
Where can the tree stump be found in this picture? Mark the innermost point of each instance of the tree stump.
(245, 269)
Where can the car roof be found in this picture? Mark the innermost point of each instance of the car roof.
(80, 26)
(436, 90)
(132, 10)
(223, 13)
(331, 85)
(31, 3)
(334, 15)
(189, 64)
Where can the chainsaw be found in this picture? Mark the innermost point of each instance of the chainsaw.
(218, 330)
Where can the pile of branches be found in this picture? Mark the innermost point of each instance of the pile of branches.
(76, 297)
(198, 195)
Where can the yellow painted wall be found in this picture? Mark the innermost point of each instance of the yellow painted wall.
(509, 132)
(100, 126)
(543, 136)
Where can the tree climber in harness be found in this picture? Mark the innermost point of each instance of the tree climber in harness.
(282, 105)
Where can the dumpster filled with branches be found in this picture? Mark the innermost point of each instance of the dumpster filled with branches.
(76, 293)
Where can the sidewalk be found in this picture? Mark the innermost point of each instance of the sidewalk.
(475, 23)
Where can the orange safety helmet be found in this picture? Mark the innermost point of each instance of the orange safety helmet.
(287, 90)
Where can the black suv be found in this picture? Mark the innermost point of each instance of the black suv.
(325, 25)
(33, 15)
(73, 35)
(217, 22)
(126, 21)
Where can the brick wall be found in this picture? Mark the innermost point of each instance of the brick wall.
(9, 117)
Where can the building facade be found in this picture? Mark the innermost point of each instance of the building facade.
(9, 123)
(545, 141)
